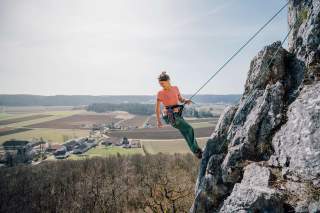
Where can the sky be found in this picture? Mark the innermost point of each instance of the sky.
(119, 47)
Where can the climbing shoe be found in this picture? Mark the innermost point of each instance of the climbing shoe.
(198, 153)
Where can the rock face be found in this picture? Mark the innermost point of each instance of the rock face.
(304, 41)
(253, 193)
(297, 143)
(275, 123)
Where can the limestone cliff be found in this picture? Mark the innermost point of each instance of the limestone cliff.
(264, 154)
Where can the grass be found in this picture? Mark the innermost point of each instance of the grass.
(51, 135)
(102, 151)
(4, 116)
(170, 146)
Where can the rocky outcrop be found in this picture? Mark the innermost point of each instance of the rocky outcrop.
(304, 40)
(277, 122)
(297, 143)
(254, 193)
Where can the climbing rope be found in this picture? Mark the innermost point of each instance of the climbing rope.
(241, 48)
(264, 68)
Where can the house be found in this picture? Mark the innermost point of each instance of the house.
(61, 153)
(40, 145)
(125, 141)
(72, 143)
(16, 144)
(111, 141)
(82, 148)
(91, 142)
(135, 143)
(106, 143)
(18, 151)
(53, 147)
(83, 145)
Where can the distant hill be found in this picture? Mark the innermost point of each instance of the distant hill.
(76, 100)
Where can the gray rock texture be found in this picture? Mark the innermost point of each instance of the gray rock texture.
(275, 123)
(304, 40)
(297, 143)
(253, 193)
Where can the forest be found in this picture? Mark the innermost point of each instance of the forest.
(118, 183)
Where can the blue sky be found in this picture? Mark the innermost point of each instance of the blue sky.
(120, 47)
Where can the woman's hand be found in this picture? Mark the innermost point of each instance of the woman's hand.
(160, 124)
(187, 101)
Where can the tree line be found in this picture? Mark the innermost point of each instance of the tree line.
(77, 100)
(133, 108)
(144, 109)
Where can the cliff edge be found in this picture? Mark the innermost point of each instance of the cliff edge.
(264, 154)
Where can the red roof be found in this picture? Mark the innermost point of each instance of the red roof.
(55, 146)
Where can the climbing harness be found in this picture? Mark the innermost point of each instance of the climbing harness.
(171, 113)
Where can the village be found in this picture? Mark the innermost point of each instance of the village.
(17, 151)
(67, 133)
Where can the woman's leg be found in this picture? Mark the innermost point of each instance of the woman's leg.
(188, 133)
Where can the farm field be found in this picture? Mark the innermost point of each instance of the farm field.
(51, 135)
(58, 124)
(22, 110)
(21, 119)
(170, 146)
(4, 115)
(9, 131)
(135, 122)
(40, 118)
(155, 133)
(77, 121)
(102, 151)
(152, 120)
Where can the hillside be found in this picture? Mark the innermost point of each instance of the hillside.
(264, 155)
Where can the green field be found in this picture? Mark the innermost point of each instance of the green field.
(102, 151)
(50, 135)
(4, 115)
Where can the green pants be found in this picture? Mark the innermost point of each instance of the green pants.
(185, 129)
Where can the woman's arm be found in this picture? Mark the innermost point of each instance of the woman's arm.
(182, 99)
(159, 124)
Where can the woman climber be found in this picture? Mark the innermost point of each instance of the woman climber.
(172, 112)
